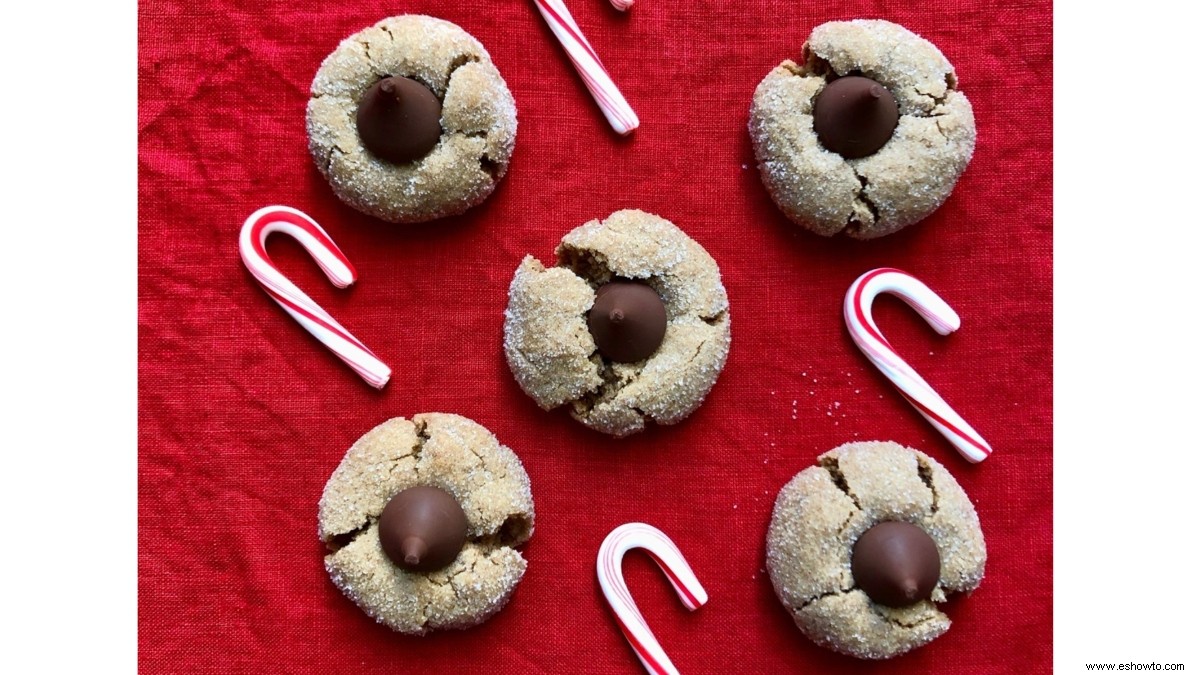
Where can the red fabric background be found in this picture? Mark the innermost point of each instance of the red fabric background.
(243, 415)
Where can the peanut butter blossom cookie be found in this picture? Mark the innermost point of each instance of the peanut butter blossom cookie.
(422, 519)
(409, 120)
(631, 325)
(862, 546)
(867, 136)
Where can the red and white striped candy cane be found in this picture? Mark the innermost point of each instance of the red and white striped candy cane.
(597, 80)
(664, 552)
(294, 223)
(621, 5)
(942, 318)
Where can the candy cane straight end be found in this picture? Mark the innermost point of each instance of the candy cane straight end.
(942, 318)
(252, 243)
(612, 582)
(595, 77)
(381, 381)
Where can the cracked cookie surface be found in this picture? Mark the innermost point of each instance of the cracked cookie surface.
(479, 120)
(464, 459)
(553, 356)
(821, 513)
(902, 183)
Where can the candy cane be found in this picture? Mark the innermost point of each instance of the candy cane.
(622, 5)
(289, 221)
(597, 80)
(663, 551)
(942, 318)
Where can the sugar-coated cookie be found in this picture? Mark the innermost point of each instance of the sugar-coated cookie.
(632, 325)
(409, 120)
(422, 518)
(862, 546)
(867, 136)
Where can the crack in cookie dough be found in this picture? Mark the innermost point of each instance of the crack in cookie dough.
(554, 357)
(910, 176)
(479, 120)
(830, 464)
(422, 429)
(819, 516)
(854, 222)
(329, 157)
(830, 594)
(459, 62)
(931, 618)
(925, 471)
(460, 457)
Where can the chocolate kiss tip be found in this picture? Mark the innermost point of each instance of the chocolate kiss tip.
(387, 86)
(876, 91)
(414, 550)
(616, 316)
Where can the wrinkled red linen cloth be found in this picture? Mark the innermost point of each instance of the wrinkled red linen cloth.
(243, 415)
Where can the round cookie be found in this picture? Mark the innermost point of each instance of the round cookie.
(902, 182)
(478, 120)
(442, 451)
(554, 356)
(819, 518)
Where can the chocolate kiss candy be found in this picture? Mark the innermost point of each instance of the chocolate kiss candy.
(896, 564)
(627, 321)
(855, 116)
(422, 529)
(399, 119)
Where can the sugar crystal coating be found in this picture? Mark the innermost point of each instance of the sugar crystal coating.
(820, 515)
(478, 120)
(554, 357)
(908, 178)
(465, 460)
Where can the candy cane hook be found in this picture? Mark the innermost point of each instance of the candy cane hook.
(664, 552)
(942, 318)
(621, 5)
(294, 223)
